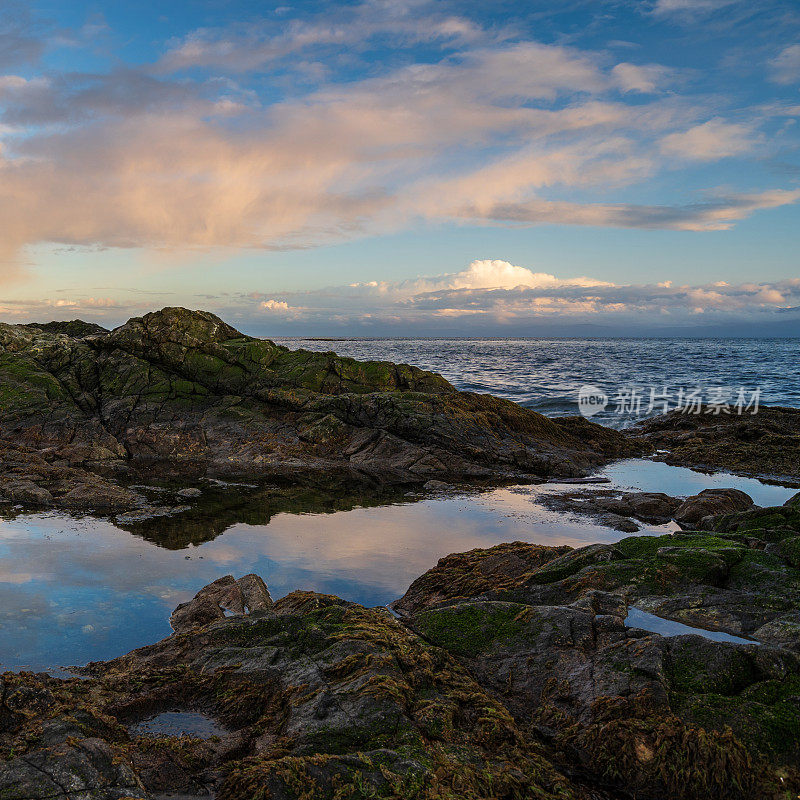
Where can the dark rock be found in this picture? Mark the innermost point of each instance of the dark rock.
(711, 502)
(76, 328)
(793, 501)
(470, 574)
(762, 444)
(249, 593)
(181, 395)
(610, 506)
(619, 523)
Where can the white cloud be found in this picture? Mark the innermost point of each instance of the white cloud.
(247, 47)
(710, 141)
(493, 274)
(786, 65)
(503, 293)
(277, 306)
(645, 78)
(689, 7)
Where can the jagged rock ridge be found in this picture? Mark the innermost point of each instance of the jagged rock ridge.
(182, 394)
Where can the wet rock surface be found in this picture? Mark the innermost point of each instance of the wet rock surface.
(614, 508)
(711, 502)
(619, 510)
(765, 444)
(181, 395)
(506, 672)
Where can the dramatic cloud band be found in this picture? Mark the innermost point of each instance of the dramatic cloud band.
(492, 129)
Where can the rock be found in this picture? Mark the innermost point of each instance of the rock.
(27, 492)
(41, 479)
(649, 506)
(609, 506)
(470, 574)
(772, 523)
(711, 502)
(181, 395)
(436, 486)
(762, 444)
(188, 493)
(255, 595)
(76, 328)
(787, 549)
(619, 523)
(102, 499)
(245, 595)
(793, 501)
(80, 768)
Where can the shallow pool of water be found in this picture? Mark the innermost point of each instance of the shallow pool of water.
(667, 627)
(74, 590)
(178, 723)
(642, 475)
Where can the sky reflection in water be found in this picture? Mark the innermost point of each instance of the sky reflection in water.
(75, 590)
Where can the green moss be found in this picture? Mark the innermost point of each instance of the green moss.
(470, 629)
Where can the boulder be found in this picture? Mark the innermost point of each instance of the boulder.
(711, 502)
(247, 594)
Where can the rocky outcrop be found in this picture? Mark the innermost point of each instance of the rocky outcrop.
(612, 507)
(510, 672)
(181, 394)
(711, 502)
(764, 444)
(654, 716)
(225, 594)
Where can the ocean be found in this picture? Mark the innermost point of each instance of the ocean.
(547, 374)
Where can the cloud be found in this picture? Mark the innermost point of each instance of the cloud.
(714, 215)
(645, 78)
(20, 36)
(490, 128)
(709, 141)
(240, 48)
(490, 296)
(499, 293)
(277, 306)
(147, 162)
(786, 65)
(689, 7)
(496, 274)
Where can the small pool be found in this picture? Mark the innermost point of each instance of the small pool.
(177, 723)
(667, 627)
(643, 475)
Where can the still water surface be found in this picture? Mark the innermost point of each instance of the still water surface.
(73, 590)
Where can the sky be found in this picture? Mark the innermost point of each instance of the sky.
(404, 167)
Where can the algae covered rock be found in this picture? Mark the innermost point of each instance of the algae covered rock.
(765, 443)
(520, 680)
(181, 395)
(653, 716)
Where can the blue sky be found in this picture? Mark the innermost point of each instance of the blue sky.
(417, 166)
